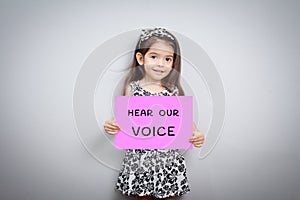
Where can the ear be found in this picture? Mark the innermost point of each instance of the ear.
(140, 58)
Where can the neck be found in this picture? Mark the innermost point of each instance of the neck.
(146, 80)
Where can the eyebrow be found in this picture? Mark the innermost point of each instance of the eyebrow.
(151, 52)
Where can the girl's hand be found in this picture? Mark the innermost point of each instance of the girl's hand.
(197, 139)
(111, 127)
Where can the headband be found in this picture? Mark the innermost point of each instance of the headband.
(159, 32)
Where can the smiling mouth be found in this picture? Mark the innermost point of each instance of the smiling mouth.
(159, 71)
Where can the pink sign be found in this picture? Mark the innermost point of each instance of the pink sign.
(153, 122)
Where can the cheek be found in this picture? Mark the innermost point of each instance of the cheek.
(170, 65)
(146, 67)
(149, 61)
(169, 69)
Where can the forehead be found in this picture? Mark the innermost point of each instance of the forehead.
(161, 47)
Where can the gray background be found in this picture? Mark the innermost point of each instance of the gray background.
(254, 45)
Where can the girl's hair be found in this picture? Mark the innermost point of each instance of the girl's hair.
(146, 40)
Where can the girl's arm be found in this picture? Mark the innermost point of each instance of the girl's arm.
(110, 126)
(198, 138)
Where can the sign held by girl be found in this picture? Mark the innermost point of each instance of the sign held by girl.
(153, 122)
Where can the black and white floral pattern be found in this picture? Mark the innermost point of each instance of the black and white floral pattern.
(160, 172)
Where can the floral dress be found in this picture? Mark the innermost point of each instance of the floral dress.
(159, 173)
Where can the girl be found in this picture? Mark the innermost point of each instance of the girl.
(155, 70)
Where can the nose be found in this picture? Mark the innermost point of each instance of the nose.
(160, 62)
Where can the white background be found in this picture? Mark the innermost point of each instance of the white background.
(254, 45)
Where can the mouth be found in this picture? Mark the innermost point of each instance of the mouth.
(158, 70)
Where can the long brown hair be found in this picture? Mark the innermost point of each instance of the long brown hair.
(137, 72)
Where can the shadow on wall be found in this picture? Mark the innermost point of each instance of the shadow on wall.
(119, 196)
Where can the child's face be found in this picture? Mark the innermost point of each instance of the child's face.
(158, 61)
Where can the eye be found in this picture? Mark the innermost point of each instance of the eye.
(153, 57)
(168, 59)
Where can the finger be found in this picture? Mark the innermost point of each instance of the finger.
(113, 123)
(198, 146)
(112, 132)
(198, 140)
(111, 129)
(111, 126)
(198, 143)
(110, 123)
(194, 139)
(191, 140)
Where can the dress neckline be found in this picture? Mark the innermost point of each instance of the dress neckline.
(138, 84)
